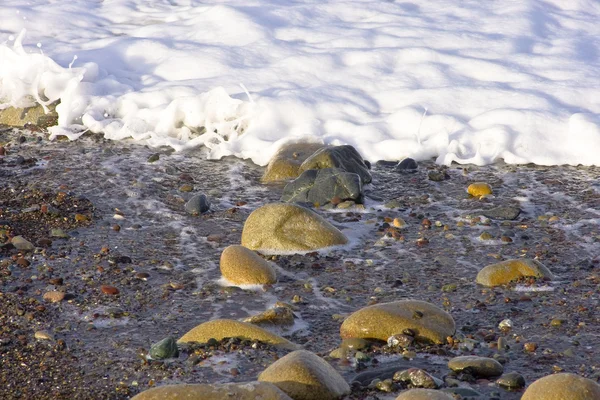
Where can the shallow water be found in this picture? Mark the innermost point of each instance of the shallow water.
(180, 253)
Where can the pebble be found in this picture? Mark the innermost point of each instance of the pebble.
(478, 366)
(110, 290)
(198, 204)
(54, 296)
(43, 335)
(479, 189)
(166, 348)
(21, 243)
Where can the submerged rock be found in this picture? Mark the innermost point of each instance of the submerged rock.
(562, 386)
(502, 213)
(344, 157)
(510, 270)
(424, 394)
(166, 348)
(238, 391)
(242, 266)
(417, 378)
(305, 376)
(320, 186)
(198, 204)
(478, 366)
(228, 328)
(285, 164)
(407, 165)
(287, 228)
(21, 243)
(511, 380)
(428, 322)
(283, 316)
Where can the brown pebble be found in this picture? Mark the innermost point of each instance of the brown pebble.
(44, 209)
(142, 275)
(241, 203)
(422, 241)
(214, 237)
(116, 228)
(234, 371)
(81, 218)
(23, 262)
(54, 296)
(111, 290)
(2, 151)
(55, 281)
(530, 347)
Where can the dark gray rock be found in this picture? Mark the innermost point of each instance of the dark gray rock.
(464, 392)
(407, 165)
(344, 157)
(438, 176)
(502, 213)
(198, 204)
(166, 348)
(511, 380)
(322, 185)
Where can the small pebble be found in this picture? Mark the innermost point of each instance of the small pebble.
(54, 296)
(110, 290)
(43, 335)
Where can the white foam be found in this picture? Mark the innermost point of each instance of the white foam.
(468, 81)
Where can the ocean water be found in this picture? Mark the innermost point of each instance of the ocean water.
(469, 81)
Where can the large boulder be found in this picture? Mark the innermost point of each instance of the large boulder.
(285, 164)
(343, 157)
(287, 228)
(562, 386)
(319, 186)
(305, 376)
(380, 321)
(510, 270)
(227, 391)
(424, 394)
(35, 115)
(227, 328)
(242, 266)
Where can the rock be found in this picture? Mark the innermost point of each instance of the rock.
(285, 164)
(407, 165)
(417, 378)
(198, 204)
(35, 115)
(478, 366)
(222, 328)
(502, 213)
(227, 391)
(54, 296)
(562, 386)
(344, 157)
(154, 158)
(166, 348)
(479, 189)
(282, 316)
(305, 376)
(511, 380)
(424, 394)
(242, 266)
(58, 233)
(437, 176)
(320, 186)
(110, 290)
(43, 335)
(380, 321)
(21, 243)
(506, 271)
(284, 228)
(464, 393)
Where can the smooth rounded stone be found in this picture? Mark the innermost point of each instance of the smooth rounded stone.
(305, 376)
(242, 266)
(437, 176)
(511, 380)
(380, 321)
(288, 228)
(344, 157)
(321, 186)
(502, 213)
(279, 316)
(43, 335)
(166, 348)
(35, 115)
(424, 394)
(354, 344)
(222, 328)
(285, 164)
(227, 391)
(21, 243)
(198, 204)
(562, 386)
(479, 366)
(506, 271)
(54, 296)
(407, 165)
(463, 393)
(479, 189)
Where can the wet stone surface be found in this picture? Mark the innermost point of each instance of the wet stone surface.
(162, 268)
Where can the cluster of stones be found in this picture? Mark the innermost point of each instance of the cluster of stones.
(331, 176)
